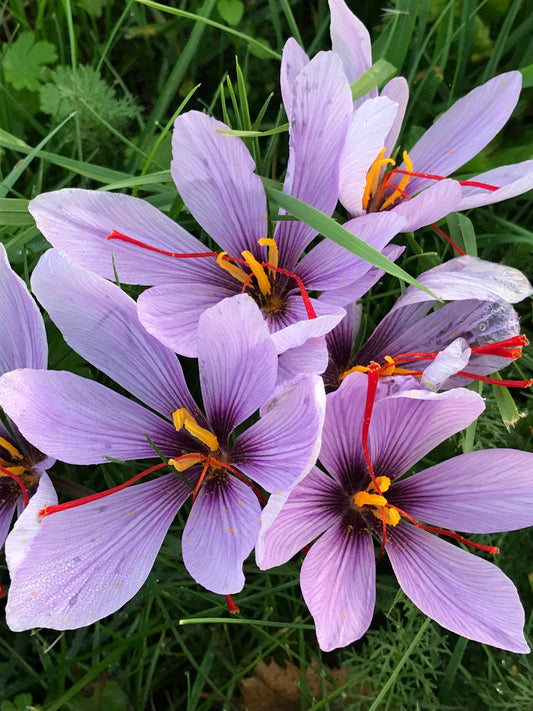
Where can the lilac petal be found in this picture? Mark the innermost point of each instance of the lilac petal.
(409, 330)
(294, 59)
(99, 321)
(76, 566)
(486, 491)
(342, 453)
(22, 334)
(78, 221)
(310, 357)
(512, 180)
(463, 593)
(358, 288)
(214, 174)
(238, 366)
(280, 448)
(369, 127)
(430, 205)
(449, 361)
(307, 512)
(405, 427)
(338, 581)
(299, 328)
(330, 266)
(171, 312)
(80, 421)
(351, 41)
(462, 131)
(320, 115)
(7, 509)
(341, 340)
(219, 535)
(470, 278)
(396, 90)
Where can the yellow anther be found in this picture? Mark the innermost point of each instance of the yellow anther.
(183, 418)
(273, 252)
(372, 176)
(13, 451)
(182, 464)
(383, 482)
(235, 271)
(259, 273)
(392, 517)
(403, 183)
(364, 498)
(17, 471)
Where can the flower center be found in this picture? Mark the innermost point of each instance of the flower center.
(377, 503)
(373, 195)
(16, 475)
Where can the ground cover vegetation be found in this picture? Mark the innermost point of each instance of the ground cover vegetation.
(89, 92)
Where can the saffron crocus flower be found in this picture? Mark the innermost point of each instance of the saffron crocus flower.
(214, 174)
(22, 345)
(457, 136)
(476, 334)
(480, 492)
(75, 563)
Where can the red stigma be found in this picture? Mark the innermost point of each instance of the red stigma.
(179, 255)
(430, 176)
(232, 607)
(19, 481)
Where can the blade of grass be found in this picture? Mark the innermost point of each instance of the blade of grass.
(332, 230)
(223, 28)
(375, 77)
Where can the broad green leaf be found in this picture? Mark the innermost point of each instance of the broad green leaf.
(462, 232)
(375, 77)
(231, 11)
(332, 230)
(24, 59)
(527, 76)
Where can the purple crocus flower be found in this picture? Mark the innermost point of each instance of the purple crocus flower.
(73, 565)
(479, 492)
(476, 333)
(22, 345)
(456, 137)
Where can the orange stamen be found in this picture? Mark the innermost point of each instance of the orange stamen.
(19, 481)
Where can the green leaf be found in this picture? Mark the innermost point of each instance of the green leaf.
(506, 405)
(24, 60)
(231, 11)
(14, 211)
(527, 76)
(373, 78)
(254, 134)
(93, 7)
(462, 232)
(332, 230)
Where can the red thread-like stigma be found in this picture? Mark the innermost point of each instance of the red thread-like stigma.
(24, 491)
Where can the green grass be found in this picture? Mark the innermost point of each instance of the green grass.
(130, 67)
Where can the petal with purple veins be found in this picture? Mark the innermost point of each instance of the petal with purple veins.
(351, 41)
(397, 90)
(75, 566)
(80, 421)
(279, 449)
(294, 59)
(214, 174)
(462, 592)
(238, 366)
(307, 512)
(220, 533)
(171, 312)
(486, 491)
(369, 127)
(430, 205)
(78, 221)
(511, 180)
(462, 131)
(451, 360)
(99, 321)
(310, 357)
(338, 581)
(22, 335)
(295, 328)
